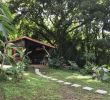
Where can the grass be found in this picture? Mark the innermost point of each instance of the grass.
(34, 87)
(76, 77)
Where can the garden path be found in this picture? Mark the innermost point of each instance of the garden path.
(103, 92)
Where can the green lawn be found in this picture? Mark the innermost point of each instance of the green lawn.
(34, 87)
(76, 77)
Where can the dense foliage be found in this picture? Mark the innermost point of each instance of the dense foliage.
(6, 31)
(6, 27)
(14, 68)
(75, 27)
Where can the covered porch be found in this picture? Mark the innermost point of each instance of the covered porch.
(35, 50)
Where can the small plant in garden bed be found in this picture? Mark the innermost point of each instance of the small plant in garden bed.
(88, 68)
(102, 73)
(97, 72)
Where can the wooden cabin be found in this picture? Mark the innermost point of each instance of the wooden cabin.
(34, 48)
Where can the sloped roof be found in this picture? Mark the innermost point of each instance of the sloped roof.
(33, 40)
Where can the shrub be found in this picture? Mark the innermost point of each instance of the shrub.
(83, 71)
(73, 65)
(101, 73)
(88, 68)
(25, 61)
(56, 62)
(16, 72)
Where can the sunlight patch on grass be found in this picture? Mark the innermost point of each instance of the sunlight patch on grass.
(26, 74)
(78, 77)
(28, 80)
(33, 78)
(92, 81)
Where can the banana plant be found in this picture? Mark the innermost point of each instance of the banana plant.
(6, 56)
(6, 26)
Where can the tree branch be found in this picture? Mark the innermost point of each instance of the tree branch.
(77, 27)
(44, 35)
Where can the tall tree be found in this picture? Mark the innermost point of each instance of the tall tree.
(71, 25)
(51, 19)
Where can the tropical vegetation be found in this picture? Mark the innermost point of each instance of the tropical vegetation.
(79, 30)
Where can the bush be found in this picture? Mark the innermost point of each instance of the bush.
(55, 62)
(25, 62)
(16, 72)
(83, 71)
(73, 65)
(88, 68)
(101, 73)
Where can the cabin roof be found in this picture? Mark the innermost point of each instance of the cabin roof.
(33, 40)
